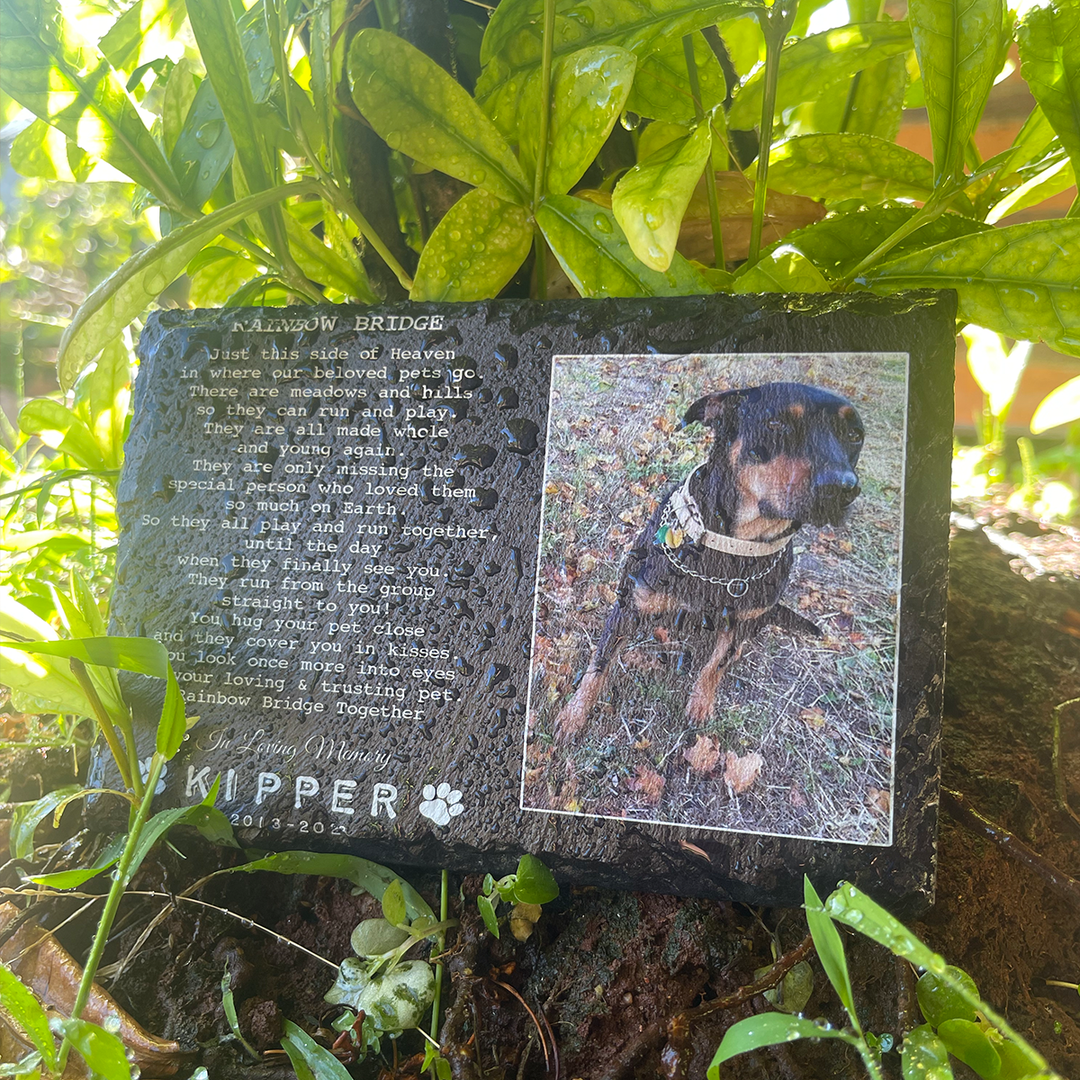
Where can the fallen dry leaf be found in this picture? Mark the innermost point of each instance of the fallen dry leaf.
(813, 718)
(51, 973)
(796, 798)
(704, 755)
(741, 772)
(649, 783)
(878, 799)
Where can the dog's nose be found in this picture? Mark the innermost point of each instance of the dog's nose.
(836, 486)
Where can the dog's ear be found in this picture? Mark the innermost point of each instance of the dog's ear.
(714, 410)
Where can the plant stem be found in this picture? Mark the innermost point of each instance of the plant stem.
(121, 755)
(871, 1060)
(775, 23)
(548, 46)
(933, 207)
(440, 944)
(710, 181)
(112, 901)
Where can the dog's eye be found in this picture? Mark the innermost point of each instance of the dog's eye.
(774, 423)
(854, 434)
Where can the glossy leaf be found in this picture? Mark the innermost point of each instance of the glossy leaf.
(122, 44)
(321, 263)
(830, 948)
(512, 49)
(534, 882)
(24, 1008)
(102, 1051)
(1021, 280)
(650, 200)
(958, 46)
(128, 291)
(375, 937)
(71, 86)
(1051, 181)
(327, 70)
(1048, 35)
(783, 269)
(877, 104)
(841, 166)
(310, 1060)
(222, 53)
(855, 909)
(144, 656)
(597, 258)
(939, 1001)
(474, 251)
(998, 372)
(487, 913)
(421, 111)
(37, 683)
(810, 66)
(72, 879)
(969, 1042)
(58, 427)
(396, 998)
(393, 903)
(367, 875)
(107, 394)
(662, 86)
(28, 816)
(838, 244)
(768, 1029)
(588, 93)
(41, 150)
(1060, 406)
(924, 1056)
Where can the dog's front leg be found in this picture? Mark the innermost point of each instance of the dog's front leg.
(576, 711)
(729, 646)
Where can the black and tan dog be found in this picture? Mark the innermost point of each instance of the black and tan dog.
(719, 546)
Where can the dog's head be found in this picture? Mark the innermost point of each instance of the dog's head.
(789, 447)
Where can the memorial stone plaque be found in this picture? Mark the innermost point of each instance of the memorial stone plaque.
(651, 589)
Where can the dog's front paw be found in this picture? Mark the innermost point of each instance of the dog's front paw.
(700, 706)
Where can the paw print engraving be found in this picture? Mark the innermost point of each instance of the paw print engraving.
(441, 803)
(144, 772)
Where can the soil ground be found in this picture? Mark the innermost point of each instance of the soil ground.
(607, 971)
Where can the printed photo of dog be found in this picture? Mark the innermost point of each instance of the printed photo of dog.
(716, 617)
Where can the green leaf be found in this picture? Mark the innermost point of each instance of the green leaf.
(812, 65)
(474, 251)
(512, 46)
(1055, 178)
(877, 105)
(310, 1060)
(228, 1006)
(958, 46)
(393, 903)
(71, 86)
(1022, 280)
(122, 45)
(924, 1056)
(1049, 39)
(23, 1007)
(37, 685)
(107, 396)
(768, 1029)
(72, 879)
(226, 64)
(145, 656)
(1060, 406)
(662, 86)
(840, 166)
(397, 998)
(597, 258)
(374, 937)
(173, 722)
(28, 816)
(369, 876)
(588, 92)
(59, 428)
(649, 201)
(487, 913)
(939, 1001)
(100, 1049)
(534, 882)
(830, 949)
(839, 243)
(41, 150)
(327, 70)
(180, 89)
(782, 269)
(128, 291)
(421, 111)
(967, 1040)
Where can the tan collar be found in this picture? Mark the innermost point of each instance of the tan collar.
(687, 514)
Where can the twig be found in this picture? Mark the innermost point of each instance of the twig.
(1059, 772)
(532, 1016)
(659, 1028)
(1066, 887)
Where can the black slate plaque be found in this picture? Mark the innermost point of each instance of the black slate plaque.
(652, 589)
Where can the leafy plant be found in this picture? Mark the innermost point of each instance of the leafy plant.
(529, 887)
(958, 1021)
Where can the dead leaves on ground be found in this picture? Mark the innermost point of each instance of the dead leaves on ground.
(50, 972)
(741, 772)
